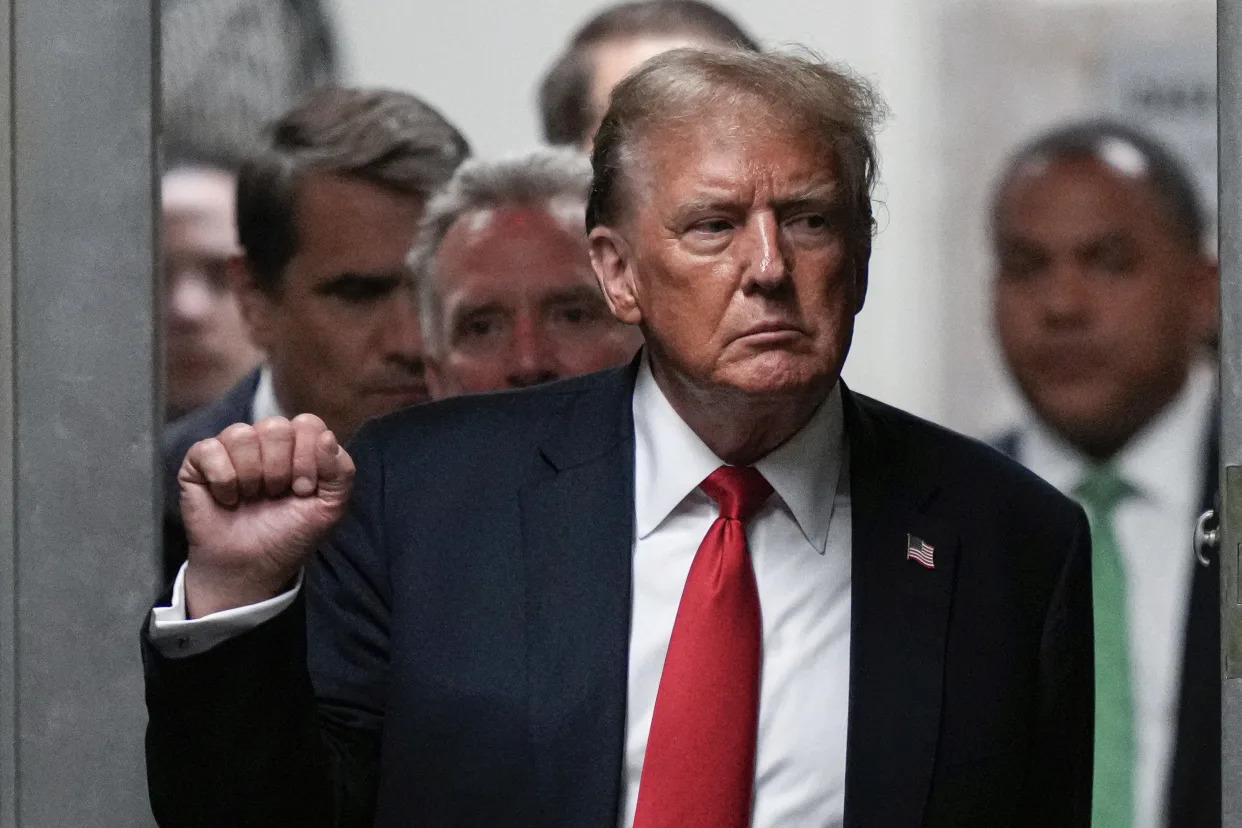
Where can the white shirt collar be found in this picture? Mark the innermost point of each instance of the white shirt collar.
(1159, 461)
(671, 461)
(264, 404)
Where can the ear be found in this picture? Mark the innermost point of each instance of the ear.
(613, 261)
(439, 382)
(862, 274)
(257, 306)
(1206, 298)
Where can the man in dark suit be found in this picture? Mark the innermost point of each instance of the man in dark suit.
(327, 209)
(1105, 302)
(714, 589)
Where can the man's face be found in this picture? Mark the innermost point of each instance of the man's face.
(1099, 306)
(520, 304)
(736, 256)
(342, 334)
(207, 348)
(612, 60)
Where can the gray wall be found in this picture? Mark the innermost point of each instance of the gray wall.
(77, 408)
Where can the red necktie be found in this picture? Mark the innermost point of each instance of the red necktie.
(699, 771)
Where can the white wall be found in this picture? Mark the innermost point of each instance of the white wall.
(923, 341)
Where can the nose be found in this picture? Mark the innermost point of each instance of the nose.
(401, 335)
(1065, 298)
(533, 358)
(190, 299)
(767, 266)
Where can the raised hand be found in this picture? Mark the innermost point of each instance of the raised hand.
(255, 501)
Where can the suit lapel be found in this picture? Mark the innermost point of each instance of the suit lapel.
(577, 527)
(899, 625)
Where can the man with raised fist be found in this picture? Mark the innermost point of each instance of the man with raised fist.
(711, 589)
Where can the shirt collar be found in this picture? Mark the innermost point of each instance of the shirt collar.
(671, 461)
(1163, 461)
(264, 404)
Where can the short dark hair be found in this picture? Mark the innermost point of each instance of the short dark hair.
(565, 94)
(804, 92)
(1097, 139)
(387, 138)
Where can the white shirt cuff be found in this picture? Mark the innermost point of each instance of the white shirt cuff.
(175, 636)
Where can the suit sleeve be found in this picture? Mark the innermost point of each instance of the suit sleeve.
(1057, 790)
(263, 730)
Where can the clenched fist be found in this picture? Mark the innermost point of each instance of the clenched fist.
(255, 501)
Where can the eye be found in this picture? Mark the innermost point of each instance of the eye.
(478, 327)
(1114, 259)
(360, 290)
(812, 222)
(578, 314)
(712, 226)
(217, 273)
(1021, 263)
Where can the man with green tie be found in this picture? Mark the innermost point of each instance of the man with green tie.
(1105, 303)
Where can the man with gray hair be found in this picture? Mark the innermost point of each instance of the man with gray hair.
(506, 291)
(711, 589)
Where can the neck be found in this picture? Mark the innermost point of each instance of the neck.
(738, 427)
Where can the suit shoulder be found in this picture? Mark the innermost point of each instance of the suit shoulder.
(208, 421)
(971, 468)
(488, 421)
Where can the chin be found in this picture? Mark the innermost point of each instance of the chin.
(1080, 419)
(781, 374)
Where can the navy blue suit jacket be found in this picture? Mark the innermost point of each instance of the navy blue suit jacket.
(460, 655)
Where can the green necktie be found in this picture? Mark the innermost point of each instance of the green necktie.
(1113, 785)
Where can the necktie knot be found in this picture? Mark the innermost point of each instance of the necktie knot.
(739, 491)
(1102, 491)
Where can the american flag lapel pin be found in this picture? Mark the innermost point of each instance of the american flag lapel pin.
(921, 551)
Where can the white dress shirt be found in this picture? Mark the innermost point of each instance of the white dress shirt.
(264, 404)
(1164, 464)
(800, 544)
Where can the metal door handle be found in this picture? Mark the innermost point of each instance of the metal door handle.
(1206, 540)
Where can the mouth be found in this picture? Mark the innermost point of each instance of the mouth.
(1070, 364)
(771, 333)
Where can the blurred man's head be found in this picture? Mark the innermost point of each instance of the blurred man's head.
(574, 93)
(730, 218)
(1104, 293)
(507, 291)
(207, 349)
(327, 212)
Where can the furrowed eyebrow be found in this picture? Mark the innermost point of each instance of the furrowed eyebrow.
(828, 195)
(372, 278)
(822, 194)
(465, 310)
(707, 205)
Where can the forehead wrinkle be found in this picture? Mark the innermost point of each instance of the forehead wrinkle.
(725, 114)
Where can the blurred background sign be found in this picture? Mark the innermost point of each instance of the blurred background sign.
(1169, 89)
